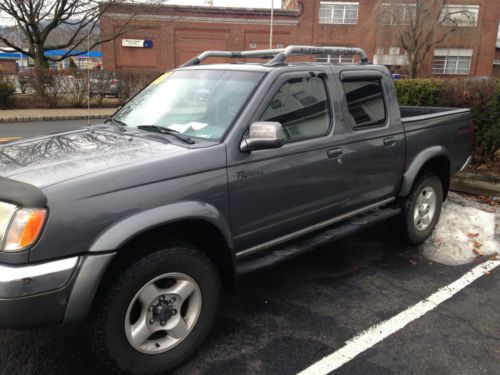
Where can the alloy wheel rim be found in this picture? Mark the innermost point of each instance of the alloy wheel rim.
(425, 208)
(163, 313)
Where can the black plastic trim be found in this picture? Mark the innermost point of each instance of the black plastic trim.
(21, 194)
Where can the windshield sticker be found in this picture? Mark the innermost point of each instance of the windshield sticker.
(197, 125)
(181, 128)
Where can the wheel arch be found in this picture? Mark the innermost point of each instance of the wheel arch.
(199, 225)
(433, 159)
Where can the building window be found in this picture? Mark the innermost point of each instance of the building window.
(452, 61)
(460, 15)
(394, 51)
(498, 36)
(338, 12)
(395, 56)
(335, 58)
(397, 14)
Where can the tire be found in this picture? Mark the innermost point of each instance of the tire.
(111, 331)
(420, 211)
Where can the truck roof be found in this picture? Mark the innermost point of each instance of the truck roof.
(260, 67)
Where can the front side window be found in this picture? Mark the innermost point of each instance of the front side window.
(452, 61)
(301, 106)
(333, 12)
(198, 103)
(365, 101)
(460, 15)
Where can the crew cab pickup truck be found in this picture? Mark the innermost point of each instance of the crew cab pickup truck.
(133, 227)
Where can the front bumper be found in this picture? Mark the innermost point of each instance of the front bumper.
(50, 293)
(24, 281)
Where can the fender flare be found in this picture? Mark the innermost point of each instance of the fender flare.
(121, 232)
(416, 166)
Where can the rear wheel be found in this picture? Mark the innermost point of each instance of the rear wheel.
(158, 312)
(422, 208)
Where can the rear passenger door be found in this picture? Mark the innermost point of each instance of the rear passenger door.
(276, 192)
(374, 149)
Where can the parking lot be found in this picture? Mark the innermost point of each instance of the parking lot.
(284, 319)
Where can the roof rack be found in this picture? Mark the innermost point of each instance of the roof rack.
(278, 56)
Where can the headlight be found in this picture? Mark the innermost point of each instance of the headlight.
(6, 213)
(20, 228)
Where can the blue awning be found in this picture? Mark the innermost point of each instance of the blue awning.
(54, 52)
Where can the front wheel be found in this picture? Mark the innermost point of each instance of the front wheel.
(158, 312)
(422, 208)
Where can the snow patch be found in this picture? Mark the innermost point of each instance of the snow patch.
(463, 233)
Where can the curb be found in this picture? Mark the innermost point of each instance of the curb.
(477, 184)
(51, 118)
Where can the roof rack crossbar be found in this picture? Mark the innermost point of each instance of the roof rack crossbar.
(264, 54)
(279, 55)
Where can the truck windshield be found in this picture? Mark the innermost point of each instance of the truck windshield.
(198, 103)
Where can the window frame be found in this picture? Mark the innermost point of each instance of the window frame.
(405, 20)
(333, 4)
(281, 81)
(337, 58)
(445, 55)
(353, 126)
(469, 8)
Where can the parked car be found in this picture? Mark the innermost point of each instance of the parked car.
(105, 83)
(211, 172)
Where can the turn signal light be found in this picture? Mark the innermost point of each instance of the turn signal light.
(24, 229)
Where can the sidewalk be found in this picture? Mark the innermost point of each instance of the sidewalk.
(42, 114)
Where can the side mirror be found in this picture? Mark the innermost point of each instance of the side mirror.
(263, 135)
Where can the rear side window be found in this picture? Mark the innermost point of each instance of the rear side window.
(365, 100)
(302, 107)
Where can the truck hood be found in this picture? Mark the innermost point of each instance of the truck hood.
(46, 161)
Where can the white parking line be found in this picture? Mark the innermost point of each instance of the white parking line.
(375, 334)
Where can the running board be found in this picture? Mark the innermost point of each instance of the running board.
(280, 253)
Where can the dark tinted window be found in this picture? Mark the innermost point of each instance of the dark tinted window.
(301, 106)
(365, 100)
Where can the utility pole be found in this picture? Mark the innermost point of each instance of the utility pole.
(271, 26)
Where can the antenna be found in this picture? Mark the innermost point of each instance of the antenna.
(88, 77)
(271, 26)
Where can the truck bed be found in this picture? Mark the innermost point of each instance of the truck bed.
(411, 114)
(432, 128)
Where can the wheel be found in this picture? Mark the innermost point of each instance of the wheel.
(422, 208)
(157, 313)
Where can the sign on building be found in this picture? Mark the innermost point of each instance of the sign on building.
(137, 43)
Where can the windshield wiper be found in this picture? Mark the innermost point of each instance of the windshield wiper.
(164, 130)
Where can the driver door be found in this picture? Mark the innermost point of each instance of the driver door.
(275, 192)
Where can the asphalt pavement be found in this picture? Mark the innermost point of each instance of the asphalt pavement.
(283, 319)
(29, 129)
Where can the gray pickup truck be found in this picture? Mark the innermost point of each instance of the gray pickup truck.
(212, 171)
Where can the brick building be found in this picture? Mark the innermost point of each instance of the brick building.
(170, 34)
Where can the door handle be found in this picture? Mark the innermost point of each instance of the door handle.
(335, 153)
(389, 142)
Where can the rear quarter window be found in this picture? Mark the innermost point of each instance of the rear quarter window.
(365, 101)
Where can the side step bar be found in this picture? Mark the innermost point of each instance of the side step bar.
(283, 252)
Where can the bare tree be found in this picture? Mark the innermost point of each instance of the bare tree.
(418, 26)
(37, 19)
